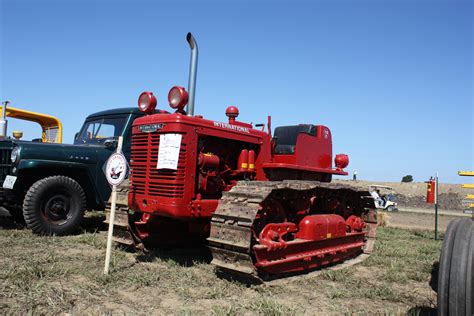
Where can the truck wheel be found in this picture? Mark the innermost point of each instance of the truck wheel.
(54, 206)
(458, 272)
(469, 279)
(445, 267)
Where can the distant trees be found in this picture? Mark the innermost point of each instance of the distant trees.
(407, 178)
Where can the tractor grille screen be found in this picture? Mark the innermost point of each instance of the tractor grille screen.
(145, 178)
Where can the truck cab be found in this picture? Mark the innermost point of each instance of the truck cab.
(51, 185)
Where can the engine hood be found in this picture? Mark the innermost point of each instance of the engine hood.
(88, 154)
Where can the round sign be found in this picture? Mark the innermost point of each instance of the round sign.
(116, 168)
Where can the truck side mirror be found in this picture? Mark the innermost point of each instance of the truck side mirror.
(76, 135)
(110, 143)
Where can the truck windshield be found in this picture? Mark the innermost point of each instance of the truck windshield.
(97, 130)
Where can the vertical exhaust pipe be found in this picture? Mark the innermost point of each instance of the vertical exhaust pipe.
(3, 121)
(192, 73)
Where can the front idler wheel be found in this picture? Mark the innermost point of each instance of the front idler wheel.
(54, 206)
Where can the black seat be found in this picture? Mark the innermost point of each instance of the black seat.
(286, 136)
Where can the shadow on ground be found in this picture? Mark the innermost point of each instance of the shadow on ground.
(186, 256)
(422, 311)
(93, 223)
(8, 222)
(434, 277)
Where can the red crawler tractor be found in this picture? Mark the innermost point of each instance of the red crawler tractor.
(265, 203)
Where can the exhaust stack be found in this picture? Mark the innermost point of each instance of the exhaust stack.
(192, 73)
(3, 121)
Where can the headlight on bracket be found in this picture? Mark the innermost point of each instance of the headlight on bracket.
(15, 155)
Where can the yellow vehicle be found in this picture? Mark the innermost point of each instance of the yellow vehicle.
(52, 129)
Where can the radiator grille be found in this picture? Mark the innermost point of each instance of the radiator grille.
(5, 163)
(145, 178)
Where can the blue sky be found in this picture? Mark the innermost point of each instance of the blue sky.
(392, 79)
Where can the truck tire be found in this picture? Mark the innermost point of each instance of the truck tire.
(469, 279)
(458, 273)
(54, 206)
(445, 267)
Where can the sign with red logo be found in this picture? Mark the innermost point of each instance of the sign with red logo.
(116, 169)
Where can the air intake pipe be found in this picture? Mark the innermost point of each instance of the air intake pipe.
(3, 120)
(192, 73)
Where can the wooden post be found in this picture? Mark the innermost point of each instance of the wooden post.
(111, 217)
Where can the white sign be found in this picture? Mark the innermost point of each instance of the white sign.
(168, 153)
(9, 182)
(116, 168)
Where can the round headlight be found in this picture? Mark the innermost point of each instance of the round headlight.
(177, 97)
(15, 155)
(147, 102)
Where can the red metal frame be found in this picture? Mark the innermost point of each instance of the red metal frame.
(301, 255)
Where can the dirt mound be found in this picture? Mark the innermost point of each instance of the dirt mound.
(413, 194)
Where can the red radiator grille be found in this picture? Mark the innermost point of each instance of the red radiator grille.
(145, 178)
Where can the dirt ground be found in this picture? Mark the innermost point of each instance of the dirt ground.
(413, 219)
(413, 194)
(51, 275)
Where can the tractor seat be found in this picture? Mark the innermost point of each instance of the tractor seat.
(286, 136)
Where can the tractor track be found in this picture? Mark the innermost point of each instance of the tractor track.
(122, 232)
(231, 237)
(231, 234)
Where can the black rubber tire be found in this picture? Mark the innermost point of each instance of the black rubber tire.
(458, 272)
(469, 279)
(41, 203)
(445, 266)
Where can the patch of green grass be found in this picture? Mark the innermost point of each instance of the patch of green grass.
(143, 277)
(407, 247)
(222, 289)
(394, 274)
(428, 234)
(334, 292)
(418, 276)
(401, 257)
(373, 291)
(379, 291)
(43, 296)
(56, 274)
(224, 310)
(36, 282)
(341, 275)
(91, 239)
(268, 306)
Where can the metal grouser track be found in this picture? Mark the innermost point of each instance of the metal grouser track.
(235, 225)
(122, 231)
